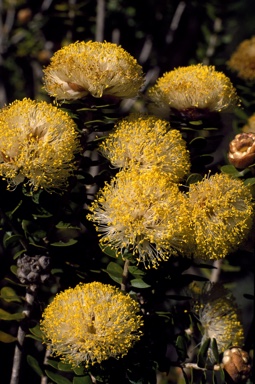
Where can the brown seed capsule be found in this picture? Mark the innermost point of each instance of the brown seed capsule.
(236, 362)
(242, 150)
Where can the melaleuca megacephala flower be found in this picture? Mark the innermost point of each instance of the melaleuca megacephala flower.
(91, 323)
(147, 142)
(95, 68)
(37, 143)
(218, 313)
(221, 215)
(192, 89)
(144, 213)
(243, 58)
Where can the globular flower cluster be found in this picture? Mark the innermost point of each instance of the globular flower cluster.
(147, 142)
(91, 323)
(221, 215)
(145, 213)
(219, 316)
(243, 58)
(193, 90)
(37, 143)
(92, 68)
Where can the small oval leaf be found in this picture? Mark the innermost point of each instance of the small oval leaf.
(202, 354)
(139, 283)
(11, 316)
(57, 378)
(35, 365)
(6, 338)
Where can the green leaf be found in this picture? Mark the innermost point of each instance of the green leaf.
(232, 171)
(8, 294)
(114, 269)
(36, 332)
(11, 316)
(62, 225)
(250, 181)
(65, 367)
(181, 347)
(198, 143)
(194, 178)
(139, 283)
(57, 378)
(52, 363)
(79, 371)
(215, 350)
(135, 271)
(202, 354)
(82, 380)
(18, 254)
(35, 365)
(62, 244)
(8, 240)
(109, 251)
(6, 338)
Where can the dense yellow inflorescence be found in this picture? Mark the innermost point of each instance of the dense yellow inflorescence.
(220, 318)
(147, 142)
(242, 60)
(91, 323)
(37, 144)
(145, 213)
(96, 68)
(194, 87)
(221, 215)
(249, 127)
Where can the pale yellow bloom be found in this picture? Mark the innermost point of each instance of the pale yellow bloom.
(37, 144)
(221, 215)
(95, 68)
(242, 60)
(91, 323)
(219, 316)
(193, 89)
(144, 213)
(147, 142)
(249, 127)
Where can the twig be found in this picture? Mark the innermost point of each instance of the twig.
(30, 297)
(100, 20)
(123, 285)
(215, 367)
(215, 275)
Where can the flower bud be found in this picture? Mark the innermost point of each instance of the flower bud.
(236, 363)
(242, 150)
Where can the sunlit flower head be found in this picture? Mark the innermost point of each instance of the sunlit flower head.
(37, 144)
(147, 142)
(193, 91)
(250, 125)
(242, 60)
(91, 323)
(242, 150)
(143, 213)
(218, 313)
(221, 215)
(94, 68)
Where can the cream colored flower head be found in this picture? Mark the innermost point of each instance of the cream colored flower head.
(144, 213)
(242, 60)
(37, 145)
(91, 323)
(249, 127)
(94, 68)
(221, 215)
(219, 316)
(194, 88)
(147, 142)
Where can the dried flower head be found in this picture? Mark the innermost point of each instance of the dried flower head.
(194, 90)
(95, 68)
(242, 150)
(147, 142)
(237, 363)
(242, 60)
(91, 323)
(221, 215)
(144, 213)
(250, 125)
(37, 143)
(219, 316)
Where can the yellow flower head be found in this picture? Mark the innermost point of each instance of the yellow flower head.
(147, 142)
(221, 215)
(145, 213)
(91, 323)
(37, 143)
(219, 316)
(196, 87)
(92, 68)
(249, 127)
(242, 60)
